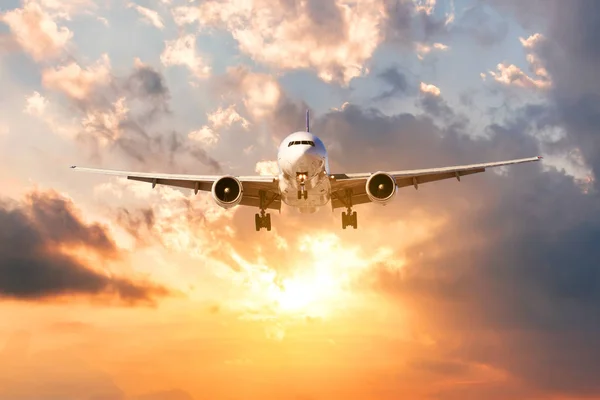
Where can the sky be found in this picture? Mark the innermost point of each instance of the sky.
(488, 288)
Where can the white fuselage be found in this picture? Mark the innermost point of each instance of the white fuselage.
(303, 166)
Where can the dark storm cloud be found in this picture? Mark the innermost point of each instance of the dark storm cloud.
(33, 261)
(149, 86)
(571, 56)
(518, 255)
(435, 106)
(396, 82)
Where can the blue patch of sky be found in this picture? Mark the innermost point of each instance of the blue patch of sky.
(222, 51)
(6, 5)
(128, 36)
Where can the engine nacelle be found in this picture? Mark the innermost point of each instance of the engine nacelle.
(227, 191)
(381, 187)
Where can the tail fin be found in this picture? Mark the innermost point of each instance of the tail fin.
(307, 121)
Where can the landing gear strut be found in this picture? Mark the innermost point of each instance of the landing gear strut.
(263, 220)
(349, 217)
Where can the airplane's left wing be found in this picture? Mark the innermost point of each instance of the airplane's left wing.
(355, 185)
(252, 185)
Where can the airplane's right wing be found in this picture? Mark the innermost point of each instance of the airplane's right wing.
(354, 185)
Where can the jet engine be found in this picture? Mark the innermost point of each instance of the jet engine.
(227, 191)
(381, 188)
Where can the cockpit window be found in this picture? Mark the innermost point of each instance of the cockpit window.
(305, 142)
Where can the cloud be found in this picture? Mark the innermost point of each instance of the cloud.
(122, 112)
(566, 53)
(36, 104)
(47, 251)
(36, 31)
(223, 117)
(205, 135)
(513, 75)
(333, 38)
(429, 89)
(425, 49)
(149, 15)
(182, 51)
(397, 82)
(78, 82)
(220, 119)
(65, 9)
(267, 168)
(431, 101)
(261, 94)
(528, 233)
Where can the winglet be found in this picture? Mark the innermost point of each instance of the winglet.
(307, 120)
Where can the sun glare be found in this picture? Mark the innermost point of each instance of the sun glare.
(309, 293)
(321, 284)
(319, 280)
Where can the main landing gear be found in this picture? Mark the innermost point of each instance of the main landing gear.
(263, 219)
(349, 217)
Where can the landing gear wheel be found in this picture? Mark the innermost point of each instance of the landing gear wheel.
(257, 221)
(299, 194)
(349, 219)
(262, 221)
(305, 195)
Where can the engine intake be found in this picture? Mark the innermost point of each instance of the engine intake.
(381, 187)
(227, 191)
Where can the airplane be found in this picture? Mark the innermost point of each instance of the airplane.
(305, 181)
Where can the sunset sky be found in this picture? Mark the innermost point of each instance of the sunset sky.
(484, 289)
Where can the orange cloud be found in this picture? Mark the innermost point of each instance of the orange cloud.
(286, 36)
(513, 75)
(36, 31)
(75, 81)
(182, 51)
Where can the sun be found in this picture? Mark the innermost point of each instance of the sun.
(320, 280)
(322, 283)
(311, 292)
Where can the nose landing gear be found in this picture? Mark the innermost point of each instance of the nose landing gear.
(302, 193)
